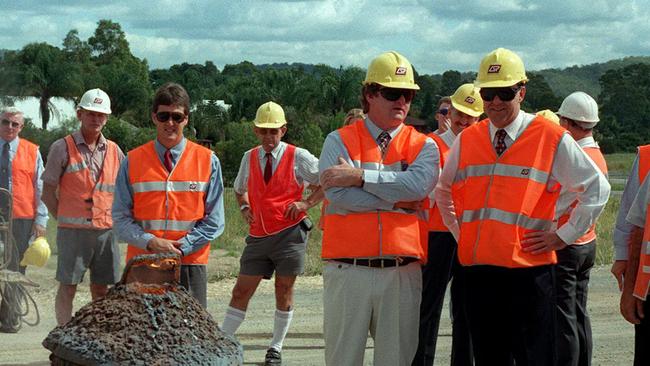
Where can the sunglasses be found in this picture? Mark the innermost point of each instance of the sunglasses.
(443, 111)
(6, 122)
(175, 116)
(393, 94)
(505, 94)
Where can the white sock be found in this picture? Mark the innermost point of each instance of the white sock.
(232, 320)
(280, 328)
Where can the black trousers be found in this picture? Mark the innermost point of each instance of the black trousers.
(9, 319)
(642, 338)
(512, 316)
(574, 342)
(442, 264)
(195, 280)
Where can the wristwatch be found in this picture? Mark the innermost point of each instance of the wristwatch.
(244, 206)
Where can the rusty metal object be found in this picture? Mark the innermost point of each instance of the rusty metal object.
(146, 319)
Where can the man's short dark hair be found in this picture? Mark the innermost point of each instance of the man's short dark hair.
(443, 100)
(368, 89)
(171, 94)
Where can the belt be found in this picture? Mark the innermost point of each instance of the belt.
(378, 263)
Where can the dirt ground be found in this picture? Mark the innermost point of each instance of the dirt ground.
(613, 337)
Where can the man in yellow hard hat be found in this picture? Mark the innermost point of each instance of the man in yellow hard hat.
(579, 115)
(497, 195)
(269, 189)
(78, 185)
(465, 108)
(21, 167)
(376, 172)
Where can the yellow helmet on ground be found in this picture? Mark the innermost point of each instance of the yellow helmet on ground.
(468, 100)
(391, 70)
(500, 68)
(37, 254)
(549, 115)
(270, 115)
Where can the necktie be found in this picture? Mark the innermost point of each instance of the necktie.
(268, 168)
(500, 143)
(168, 161)
(382, 140)
(4, 167)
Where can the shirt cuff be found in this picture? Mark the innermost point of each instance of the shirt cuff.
(568, 234)
(370, 177)
(42, 221)
(143, 240)
(620, 252)
(635, 220)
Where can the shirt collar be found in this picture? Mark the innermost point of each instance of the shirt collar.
(376, 131)
(175, 150)
(13, 144)
(512, 129)
(587, 142)
(79, 139)
(274, 153)
(448, 137)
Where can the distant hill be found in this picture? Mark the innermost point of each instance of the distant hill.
(585, 78)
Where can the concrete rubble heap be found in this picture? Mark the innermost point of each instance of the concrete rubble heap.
(140, 323)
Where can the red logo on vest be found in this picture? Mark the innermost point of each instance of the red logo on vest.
(494, 69)
(98, 101)
(400, 70)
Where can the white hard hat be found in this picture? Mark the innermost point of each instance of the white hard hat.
(95, 100)
(580, 107)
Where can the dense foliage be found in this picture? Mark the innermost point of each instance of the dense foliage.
(315, 97)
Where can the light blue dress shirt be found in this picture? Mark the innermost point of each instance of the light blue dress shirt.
(205, 230)
(41, 210)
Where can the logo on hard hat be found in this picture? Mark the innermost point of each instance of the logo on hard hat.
(98, 101)
(470, 100)
(401, 70)
(494, 69)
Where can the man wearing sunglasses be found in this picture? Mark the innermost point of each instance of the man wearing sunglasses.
(442, 115)
(497, 195)
(78, 181)
(376, 172)
(169, 194)
(21, 167)
(465, 109)
(269, 189)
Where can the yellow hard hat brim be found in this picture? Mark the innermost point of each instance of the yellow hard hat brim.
(399, 85)
(497, 83)
(269, 125)
(468, 111)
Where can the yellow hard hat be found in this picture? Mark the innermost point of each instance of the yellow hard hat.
(37, 254)
(270, 115)
(391, 70)
(468, 100)
(500, 68)
(549, 115)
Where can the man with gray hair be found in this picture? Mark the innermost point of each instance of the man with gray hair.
(21, 166)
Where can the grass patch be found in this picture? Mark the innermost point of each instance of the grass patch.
(620, 164)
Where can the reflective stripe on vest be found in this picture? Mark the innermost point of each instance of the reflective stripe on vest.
(434, 219)
(598, 158)
(269, 201)
(378, 233)
(169, 204)
(23, 168)
(84, 202)
(499, 199)
(643, 272)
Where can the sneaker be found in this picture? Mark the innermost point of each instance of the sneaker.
(272, 357)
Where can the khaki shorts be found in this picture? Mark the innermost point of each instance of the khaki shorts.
(82, 249)
(283, 253)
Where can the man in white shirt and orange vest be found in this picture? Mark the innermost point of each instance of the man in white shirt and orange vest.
(634, 305)
(579, 115)
(21, 167)
(169, 194)
(78, 185)
(464, 110)
(376, 172)
(269, 189)
(497, 195)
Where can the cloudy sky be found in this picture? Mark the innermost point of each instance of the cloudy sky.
(436, 35)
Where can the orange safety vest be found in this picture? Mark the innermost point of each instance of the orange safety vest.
(379, 233)
(269, 201)
(499, 199)
(435, 222)
(84, 203)
(168, 204)
(598, 158)
(643, 273)
(22, 180)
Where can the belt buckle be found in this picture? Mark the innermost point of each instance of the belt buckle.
(382, 263)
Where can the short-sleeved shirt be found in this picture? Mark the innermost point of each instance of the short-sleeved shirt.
(57, 158)
(305, 166)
